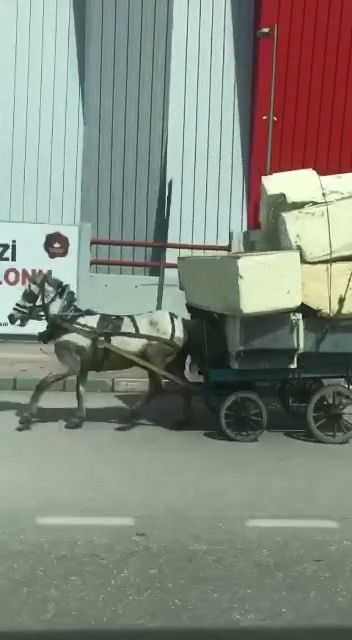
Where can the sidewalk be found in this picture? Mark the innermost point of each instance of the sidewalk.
(23, 364)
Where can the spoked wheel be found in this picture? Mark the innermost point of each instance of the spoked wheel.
(329, 415)
(295, 395)
(243, 416)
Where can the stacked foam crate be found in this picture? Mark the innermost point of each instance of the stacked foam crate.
(303, 211)
(255, 293)
(302, 254)
(242, 284)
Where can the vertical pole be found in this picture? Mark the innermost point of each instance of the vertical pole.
(161, 280)
(272, 100)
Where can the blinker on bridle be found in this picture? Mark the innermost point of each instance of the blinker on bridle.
(59, 292)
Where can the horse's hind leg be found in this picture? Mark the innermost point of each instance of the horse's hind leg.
(177, 367)
(155, 387)
(187, 411)
(77, 421)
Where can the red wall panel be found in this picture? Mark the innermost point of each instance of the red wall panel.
(313, 90)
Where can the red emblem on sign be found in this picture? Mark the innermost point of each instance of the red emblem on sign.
(56, 245)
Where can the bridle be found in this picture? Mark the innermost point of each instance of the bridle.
(44, 306)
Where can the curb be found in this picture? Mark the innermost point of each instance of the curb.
(101, 385)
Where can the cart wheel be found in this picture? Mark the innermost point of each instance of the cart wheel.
(243, 416)
(329, 414)
(294, 395)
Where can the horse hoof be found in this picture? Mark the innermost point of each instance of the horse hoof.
(133, 416)
(23, 427)
(24, 423)
(75, 423)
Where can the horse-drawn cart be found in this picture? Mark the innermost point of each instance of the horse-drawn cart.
(241, 359)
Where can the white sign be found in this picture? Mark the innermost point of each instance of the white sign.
(25, 249)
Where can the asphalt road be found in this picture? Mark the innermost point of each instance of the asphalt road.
(178, 549)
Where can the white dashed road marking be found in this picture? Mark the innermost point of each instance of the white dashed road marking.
(267, 523)
(72, 521)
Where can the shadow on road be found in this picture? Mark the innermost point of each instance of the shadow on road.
(162, 412)
(302, 436)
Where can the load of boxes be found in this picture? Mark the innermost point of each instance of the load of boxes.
(300, 261)
(302, 254)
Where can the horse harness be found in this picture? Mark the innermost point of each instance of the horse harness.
(110, 326)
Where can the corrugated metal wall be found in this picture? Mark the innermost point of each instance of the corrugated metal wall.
(41, 127)
(313, 98)
(209, 122)
(127, 59)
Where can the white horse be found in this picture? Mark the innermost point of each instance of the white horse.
(157, 338)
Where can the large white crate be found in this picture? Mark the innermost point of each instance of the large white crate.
(327, 288)
(288, 190)
(321, 232)
(336, 186)
(297, 190)
(243, 283)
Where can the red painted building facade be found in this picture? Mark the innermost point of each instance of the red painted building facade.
(313, 90)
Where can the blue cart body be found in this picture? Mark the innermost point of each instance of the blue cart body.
(269, 358)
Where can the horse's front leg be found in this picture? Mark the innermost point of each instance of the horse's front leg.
(26, 419)
(77, 421)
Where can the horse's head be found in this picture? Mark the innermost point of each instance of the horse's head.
(41, 298)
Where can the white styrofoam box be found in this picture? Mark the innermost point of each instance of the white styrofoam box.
(337, 186)
(288, 190)
(243, 283)
(174, 254)
(321, 232)
(328, 288)
(291, 190)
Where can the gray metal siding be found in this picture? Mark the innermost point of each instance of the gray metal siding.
(128, 44)
(209, 121)
(41, 125)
